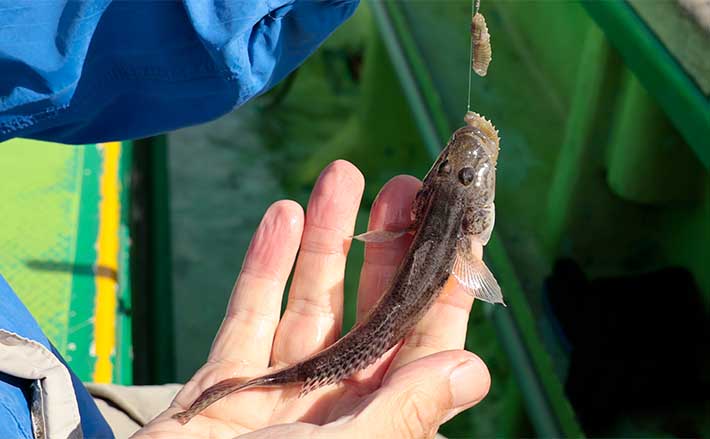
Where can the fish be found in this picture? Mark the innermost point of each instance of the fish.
(453, 209)
(481, 44)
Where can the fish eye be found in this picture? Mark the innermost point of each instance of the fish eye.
(445, 167)
(466, 175)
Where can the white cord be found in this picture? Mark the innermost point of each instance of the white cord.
(475, 5)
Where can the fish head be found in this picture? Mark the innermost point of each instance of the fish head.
(469, 160)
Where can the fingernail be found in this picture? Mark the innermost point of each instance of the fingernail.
(469, 382)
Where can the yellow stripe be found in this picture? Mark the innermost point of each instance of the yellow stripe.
(107, 261)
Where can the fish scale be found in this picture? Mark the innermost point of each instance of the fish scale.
(348, 364)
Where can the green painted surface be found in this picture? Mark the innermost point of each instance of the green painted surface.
(85, 226)
(48, 228)
(41, 188)
(641, 142)
(162, 244)
(685, 39)
(577, 130)
(123, 370)
(683, 101)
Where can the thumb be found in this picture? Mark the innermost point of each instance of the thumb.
(416, 399)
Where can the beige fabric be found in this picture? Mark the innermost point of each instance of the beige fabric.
(121, 424)
(682, 32)
(127, 408)
(699, 10)
(28, 359)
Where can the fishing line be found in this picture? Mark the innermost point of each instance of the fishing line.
(475, 6)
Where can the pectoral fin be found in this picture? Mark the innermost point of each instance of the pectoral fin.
(475, 278)
(380, 235)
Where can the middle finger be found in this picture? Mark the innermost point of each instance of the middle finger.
(314, 312)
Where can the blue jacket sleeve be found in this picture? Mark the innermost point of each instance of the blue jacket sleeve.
(14, 412)
(84, 72)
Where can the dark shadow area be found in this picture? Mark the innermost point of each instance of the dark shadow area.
(152, 310)
(141, 195)
(75, 269)
(637, 345)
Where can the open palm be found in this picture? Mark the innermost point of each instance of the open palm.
(409, 392)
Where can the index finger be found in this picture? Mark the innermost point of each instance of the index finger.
(248, 328)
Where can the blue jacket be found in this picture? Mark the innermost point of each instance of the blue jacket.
(84, 72)
(14, 414)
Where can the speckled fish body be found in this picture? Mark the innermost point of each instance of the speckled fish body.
(453, 207)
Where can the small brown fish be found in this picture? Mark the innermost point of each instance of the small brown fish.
(453, 208)
(482, 51)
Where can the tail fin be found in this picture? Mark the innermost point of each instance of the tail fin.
(213, 394)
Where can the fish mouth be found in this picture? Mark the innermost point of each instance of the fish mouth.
(489, 132)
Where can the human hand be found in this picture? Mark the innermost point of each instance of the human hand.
(415, 387)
